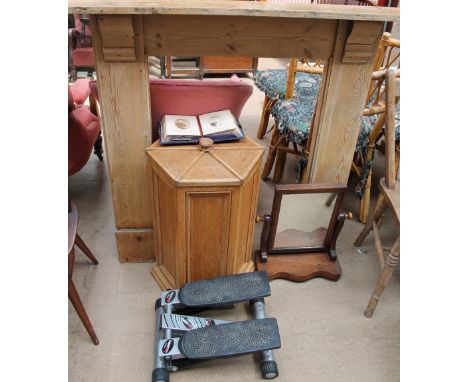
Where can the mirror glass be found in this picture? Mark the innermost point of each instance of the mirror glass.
(303, 220)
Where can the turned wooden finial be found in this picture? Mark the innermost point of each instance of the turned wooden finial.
(386, 36)
(206, 144)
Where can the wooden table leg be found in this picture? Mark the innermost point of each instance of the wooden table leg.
(347, 78)
(126, 124)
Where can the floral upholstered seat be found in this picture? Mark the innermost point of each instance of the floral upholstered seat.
(273, 83)
(367, 124)
(293, 118)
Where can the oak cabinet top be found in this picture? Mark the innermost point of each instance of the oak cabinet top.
(228, 164)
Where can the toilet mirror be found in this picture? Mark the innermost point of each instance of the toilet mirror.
(303, 220)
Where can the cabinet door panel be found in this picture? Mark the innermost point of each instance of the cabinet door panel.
(207, 233)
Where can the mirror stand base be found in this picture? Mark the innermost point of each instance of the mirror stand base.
(299, 267)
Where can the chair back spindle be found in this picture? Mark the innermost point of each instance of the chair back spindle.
(390, 95)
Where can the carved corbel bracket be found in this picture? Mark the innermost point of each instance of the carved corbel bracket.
(361, 42)
(122, 37)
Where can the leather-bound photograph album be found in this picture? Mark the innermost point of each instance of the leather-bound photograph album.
(220, 126)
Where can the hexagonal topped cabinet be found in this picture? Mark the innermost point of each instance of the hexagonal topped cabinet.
(205, 201)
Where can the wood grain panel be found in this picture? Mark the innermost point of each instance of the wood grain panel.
(227, 63)
(338, 117)
(238, 36)
(234, 8)
(126, 122)
(135, 245)
(166, 216)
(119, 54)
(116, 31)
(208, 217)
(248, 196)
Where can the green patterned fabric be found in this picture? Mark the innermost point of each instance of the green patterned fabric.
(273, 83)
(367, 123)
(293, 118)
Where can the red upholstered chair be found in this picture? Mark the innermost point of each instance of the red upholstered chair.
(193, 97)
(83, 131)
(80, 92)
(80, 46)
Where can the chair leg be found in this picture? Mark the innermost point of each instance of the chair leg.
(392, 260)
(364, 205)
(76, 301)
(263, 125)
(276, 140)
(280, 163)
(81, 245)
(98, 150)
(378, 211)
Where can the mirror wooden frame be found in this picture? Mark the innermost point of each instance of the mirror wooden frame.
(327, 247)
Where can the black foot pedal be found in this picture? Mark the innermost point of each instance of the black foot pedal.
(225, 290)
(228, 340)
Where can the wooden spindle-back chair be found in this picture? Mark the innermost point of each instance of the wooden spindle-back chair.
(389, 193)
(279, 144)
(388, 55)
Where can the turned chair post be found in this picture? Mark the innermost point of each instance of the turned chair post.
(392, 260)
(389, 197)
(385, 57)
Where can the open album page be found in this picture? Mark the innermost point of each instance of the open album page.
(218, 122)
(181, 125)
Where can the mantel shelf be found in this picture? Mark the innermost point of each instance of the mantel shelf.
(234, 8)
(125, 32)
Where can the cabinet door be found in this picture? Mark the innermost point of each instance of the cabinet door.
(207, 233)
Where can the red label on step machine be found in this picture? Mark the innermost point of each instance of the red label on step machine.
(170, 296)
(168, 345)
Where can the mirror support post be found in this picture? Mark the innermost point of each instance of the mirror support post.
(338, 227)
(264, 236)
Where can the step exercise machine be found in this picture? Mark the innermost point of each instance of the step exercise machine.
(181, 339)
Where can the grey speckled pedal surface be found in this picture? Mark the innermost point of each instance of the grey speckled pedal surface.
(236, 338)
(225, 290)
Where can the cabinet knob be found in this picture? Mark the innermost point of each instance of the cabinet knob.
(206, 144)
